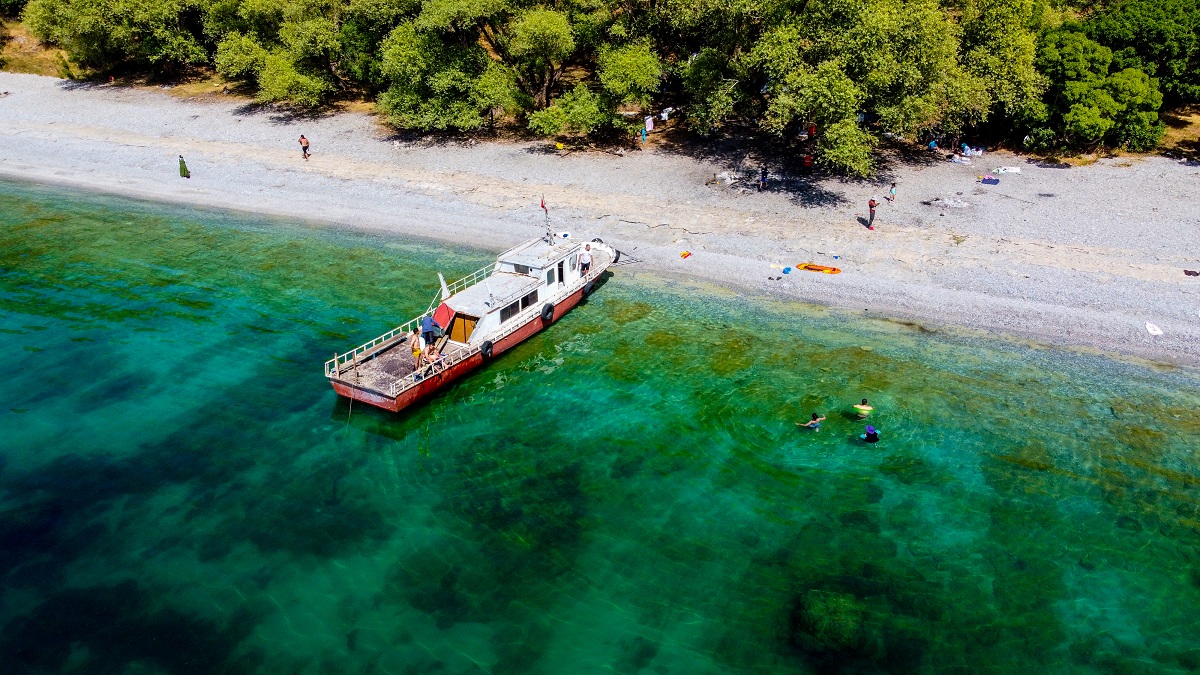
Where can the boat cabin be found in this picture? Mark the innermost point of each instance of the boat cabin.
(523, 279)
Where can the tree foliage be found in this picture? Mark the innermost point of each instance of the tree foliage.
(854, 68)
(1089, 102)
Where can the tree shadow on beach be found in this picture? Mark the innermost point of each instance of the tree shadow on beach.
(282, 114)
(743, 154)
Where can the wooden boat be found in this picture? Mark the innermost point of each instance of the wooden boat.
(482, 315)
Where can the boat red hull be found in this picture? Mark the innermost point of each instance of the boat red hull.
(437, 381)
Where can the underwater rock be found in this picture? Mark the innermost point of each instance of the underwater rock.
(826, 622)
(1129, 523)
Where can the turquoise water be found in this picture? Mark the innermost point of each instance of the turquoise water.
(181, 491)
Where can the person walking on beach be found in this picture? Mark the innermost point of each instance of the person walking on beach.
(871, 219)
(863, 409)
(304, 146)
(183, 170)
(892, 193)
(762, 179)
(814, 423)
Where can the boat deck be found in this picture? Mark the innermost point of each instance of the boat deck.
(388, 366)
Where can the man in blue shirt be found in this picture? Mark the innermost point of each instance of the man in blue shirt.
(427, 325)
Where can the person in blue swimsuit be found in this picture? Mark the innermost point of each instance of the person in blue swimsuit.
(814, 423)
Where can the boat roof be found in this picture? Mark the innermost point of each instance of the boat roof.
(538, 253)
(487, 295)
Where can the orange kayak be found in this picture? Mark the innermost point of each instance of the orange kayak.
(810, 267)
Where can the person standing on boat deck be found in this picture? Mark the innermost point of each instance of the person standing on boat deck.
(585, 260)
(427, 325)
(417, 345)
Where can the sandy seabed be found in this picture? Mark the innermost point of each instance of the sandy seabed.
(1082, 257)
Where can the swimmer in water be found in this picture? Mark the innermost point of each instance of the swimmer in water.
(863, 409)
(814, 423)
(872, 435)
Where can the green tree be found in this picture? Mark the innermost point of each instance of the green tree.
(712, 90)
(105, 33)
(539, 41)
(1161, 37)
(240, 57)
(1000, 47)
(579, 111)
(630, 73)
(1086, 105)
(435, 85)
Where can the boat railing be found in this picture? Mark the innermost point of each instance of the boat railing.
(460, 353)
(521, 320)
(340, 362)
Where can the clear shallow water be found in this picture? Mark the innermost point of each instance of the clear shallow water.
(180, 490)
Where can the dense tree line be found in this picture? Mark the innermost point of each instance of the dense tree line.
(1043, 74)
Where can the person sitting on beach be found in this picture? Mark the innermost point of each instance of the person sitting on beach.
(872, 435)
(814, 423)
(863, 409)
(585, 260)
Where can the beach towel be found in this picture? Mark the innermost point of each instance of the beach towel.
(1007, 169)
(650, 123)
(990, 180)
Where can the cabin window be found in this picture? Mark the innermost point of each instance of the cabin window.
(521, 269)
(550, 276)
(529, 300)
(510, 311)
(574, 261)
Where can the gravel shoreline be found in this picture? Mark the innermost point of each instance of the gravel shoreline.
(1070, 256)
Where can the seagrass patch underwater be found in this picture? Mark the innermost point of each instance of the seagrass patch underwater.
(181, 491)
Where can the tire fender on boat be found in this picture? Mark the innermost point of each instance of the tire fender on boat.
(616, 256)
(597, 240)
(588, 288)
(548, 313)
(485, 349)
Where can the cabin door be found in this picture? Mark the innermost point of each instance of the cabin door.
(463, 326)
(561, 279)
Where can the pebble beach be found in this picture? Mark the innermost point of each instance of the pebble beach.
(1082, 257)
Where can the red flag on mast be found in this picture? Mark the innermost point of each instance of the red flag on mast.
(544, 205)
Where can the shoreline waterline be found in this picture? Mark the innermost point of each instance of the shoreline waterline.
(652, 273)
